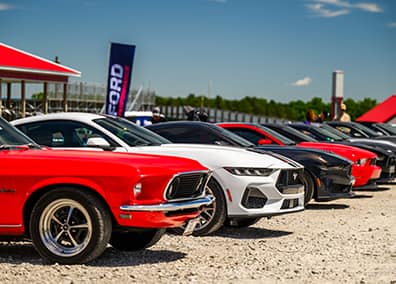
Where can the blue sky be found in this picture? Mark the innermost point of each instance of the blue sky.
(276, 49)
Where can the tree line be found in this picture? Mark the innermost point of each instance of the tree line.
(293, 110)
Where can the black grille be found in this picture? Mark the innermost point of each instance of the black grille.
(340, 188)
(387, 165)
(289, 178)
(289, 203)
(253, 198)
(187, 186)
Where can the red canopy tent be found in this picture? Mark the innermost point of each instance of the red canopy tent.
(383, 112)
(22, 67)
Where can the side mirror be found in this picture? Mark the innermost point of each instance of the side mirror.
(98, 142)
(221, 143)
(264, 142)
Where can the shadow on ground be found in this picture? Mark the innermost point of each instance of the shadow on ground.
(16, 253)
(376, 189)
(250, 233)
(115, 258)
(359, 196)
(325, 206)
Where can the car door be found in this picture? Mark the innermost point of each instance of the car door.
(10, 189)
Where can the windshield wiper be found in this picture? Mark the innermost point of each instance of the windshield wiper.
(148, 144)
(16, 147)
(33, 146)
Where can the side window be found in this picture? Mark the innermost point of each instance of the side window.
(177, 134)
(289, 135)
(207, 137)
(63, 133)
(348, 131)
(190, 135)
(42, 135)
(248, 134)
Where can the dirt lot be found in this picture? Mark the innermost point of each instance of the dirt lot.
(348, 240)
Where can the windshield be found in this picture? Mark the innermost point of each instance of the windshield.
(130, 133)
(233, 137)
(341, 135)
(295, 134)
(9, 135)
(276, 135)
(366, 130)
(328, 136)
(388, 127)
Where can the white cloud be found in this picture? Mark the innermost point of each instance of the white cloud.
(218, 1)
(369, 7)
(392, 25)
(335, 8)
(320, 11)
(5, 7)
(337, 3)
(302, 82)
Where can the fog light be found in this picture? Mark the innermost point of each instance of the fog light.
(137, 189)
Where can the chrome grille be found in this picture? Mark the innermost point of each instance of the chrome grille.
(187, 185)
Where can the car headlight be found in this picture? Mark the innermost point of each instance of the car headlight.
(361, 162)
(249, 171)
(380, 158)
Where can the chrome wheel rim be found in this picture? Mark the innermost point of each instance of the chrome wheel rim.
(207, 213)
(65, 227)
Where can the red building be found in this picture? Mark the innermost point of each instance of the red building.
(383, 112)
(17, 66)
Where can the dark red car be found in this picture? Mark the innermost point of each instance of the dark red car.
(71, 204)
(364, 168)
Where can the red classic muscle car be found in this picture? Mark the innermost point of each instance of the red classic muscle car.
(72, 203)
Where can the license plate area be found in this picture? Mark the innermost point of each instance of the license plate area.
(190, 227)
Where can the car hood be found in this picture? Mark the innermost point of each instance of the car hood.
(387, 145)
(307, 156)
(72, 161)
(346, 151)
(214, 157)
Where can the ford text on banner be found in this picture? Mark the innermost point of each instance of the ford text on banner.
(119, 78)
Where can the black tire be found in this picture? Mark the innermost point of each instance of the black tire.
(212, 216)
(70, 226)
(309, 187)
(130, 241)
(241, 222)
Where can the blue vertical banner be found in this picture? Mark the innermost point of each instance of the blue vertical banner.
(119, 78)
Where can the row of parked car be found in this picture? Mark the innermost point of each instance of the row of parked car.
(74, 182)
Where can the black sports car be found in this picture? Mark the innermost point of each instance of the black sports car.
(380, 128)
(328, 176)
(357, 130)
(385, 150)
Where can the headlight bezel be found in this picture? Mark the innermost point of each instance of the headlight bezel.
(361, 162)
(250, 171)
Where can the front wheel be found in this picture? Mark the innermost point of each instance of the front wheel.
(212, 216)
(69, 225)
(309, 187)
(130, 241)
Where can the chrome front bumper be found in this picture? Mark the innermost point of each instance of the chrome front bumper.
(171, 206)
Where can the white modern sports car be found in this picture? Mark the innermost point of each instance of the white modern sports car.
(247, 185)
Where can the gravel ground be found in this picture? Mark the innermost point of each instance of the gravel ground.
(347, 240)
